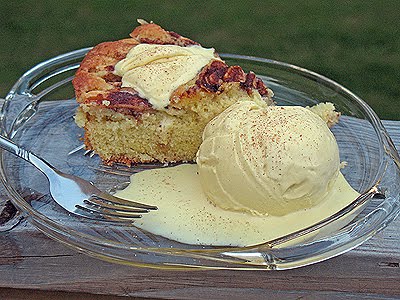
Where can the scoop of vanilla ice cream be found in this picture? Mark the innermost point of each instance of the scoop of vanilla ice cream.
(267, 160)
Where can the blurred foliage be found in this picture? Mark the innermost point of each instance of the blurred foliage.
(356, 43)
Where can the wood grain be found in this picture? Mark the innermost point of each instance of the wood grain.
(32, 265)
(30, 260)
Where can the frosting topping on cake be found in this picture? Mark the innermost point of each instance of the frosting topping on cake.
(155, 71)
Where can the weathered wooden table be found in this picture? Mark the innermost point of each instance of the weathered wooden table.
(32, 265)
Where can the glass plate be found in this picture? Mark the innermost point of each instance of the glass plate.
(38, 114)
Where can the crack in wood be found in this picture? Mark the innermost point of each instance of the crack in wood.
(36, 256)
(385, 264)
(8, 212)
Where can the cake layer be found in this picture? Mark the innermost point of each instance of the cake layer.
(121, 125)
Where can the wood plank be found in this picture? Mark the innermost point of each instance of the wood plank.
(32, 264)
(22, 294)
(29, 260)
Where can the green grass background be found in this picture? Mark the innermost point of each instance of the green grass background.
(356, 43)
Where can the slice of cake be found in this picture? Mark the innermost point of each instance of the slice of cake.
(148, 98)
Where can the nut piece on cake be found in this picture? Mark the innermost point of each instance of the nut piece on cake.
(148, 98)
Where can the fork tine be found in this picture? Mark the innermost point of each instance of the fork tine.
(120, 201)
(107, 213)
(96, 202)
(90, 214)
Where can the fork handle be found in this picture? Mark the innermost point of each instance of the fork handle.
(13, 148)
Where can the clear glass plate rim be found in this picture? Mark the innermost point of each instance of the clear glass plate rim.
(24, 80)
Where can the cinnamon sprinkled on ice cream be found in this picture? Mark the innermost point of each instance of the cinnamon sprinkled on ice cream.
(267, 160)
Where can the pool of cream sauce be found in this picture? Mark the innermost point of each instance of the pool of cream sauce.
(185, 215)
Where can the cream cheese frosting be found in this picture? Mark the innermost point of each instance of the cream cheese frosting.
(155, 71)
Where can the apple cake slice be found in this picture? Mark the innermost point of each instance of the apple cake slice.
(147, 98)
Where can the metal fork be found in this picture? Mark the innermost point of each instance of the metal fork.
(77, 195)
